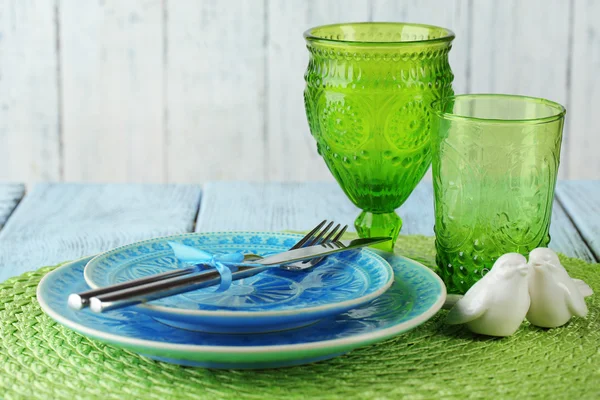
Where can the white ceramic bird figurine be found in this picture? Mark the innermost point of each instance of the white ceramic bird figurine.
(555, 297)
(496, 305)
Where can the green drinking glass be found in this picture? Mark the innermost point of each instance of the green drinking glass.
(367, 97)
(495, 161)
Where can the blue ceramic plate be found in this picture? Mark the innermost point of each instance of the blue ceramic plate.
(273, 300)
(414, 297)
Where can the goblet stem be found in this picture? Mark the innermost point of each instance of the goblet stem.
(370, 224)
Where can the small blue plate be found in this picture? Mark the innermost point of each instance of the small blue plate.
(415, 296)
(273, 300)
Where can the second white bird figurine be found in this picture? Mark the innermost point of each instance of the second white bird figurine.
(497, 304)
(555, 297)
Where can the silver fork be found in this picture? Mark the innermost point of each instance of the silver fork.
(82, 300)
(319, 239)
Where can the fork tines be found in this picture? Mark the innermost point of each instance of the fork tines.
(320, 238)
(315, 237)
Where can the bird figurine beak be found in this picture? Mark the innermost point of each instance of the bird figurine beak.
(523, 269)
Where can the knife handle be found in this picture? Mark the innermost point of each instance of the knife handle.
(77, 301)
(164, 288)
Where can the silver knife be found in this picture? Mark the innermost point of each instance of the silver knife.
(320, 250)
(181, 284)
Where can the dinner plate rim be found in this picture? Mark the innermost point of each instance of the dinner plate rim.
(165, 311)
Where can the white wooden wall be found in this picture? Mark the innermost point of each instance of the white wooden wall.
(192, 90)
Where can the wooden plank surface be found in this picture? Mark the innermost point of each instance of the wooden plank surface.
(112, 69)
(10, 195)
(29, 92)
(581, 200)
(564, 236)
(215, 93)
(300, 206)
(582, 138)
(59, 222)
(297, 206)
(230, 206)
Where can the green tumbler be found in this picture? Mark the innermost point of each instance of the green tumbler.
(495, 162)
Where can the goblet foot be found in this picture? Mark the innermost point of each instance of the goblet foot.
(370, 224)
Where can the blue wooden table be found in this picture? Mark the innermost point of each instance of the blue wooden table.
(51, 223)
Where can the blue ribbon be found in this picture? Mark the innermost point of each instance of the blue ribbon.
(225, 264)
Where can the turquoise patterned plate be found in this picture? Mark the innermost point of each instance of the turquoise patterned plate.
(414, 297)
(273, 300)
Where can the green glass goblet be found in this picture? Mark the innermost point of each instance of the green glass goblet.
(495, 161)
(367, 97)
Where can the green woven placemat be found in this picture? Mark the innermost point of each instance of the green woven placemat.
(41, 359)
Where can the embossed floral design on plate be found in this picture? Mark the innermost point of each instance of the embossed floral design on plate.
(274, 300)
(415, 296)
(249, 292)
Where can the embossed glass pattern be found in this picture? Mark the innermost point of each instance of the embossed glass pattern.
(495, 160)
(368, 88)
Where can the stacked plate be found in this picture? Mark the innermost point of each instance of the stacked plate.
(276, 318)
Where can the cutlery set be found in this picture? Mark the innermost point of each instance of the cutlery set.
(307, 253)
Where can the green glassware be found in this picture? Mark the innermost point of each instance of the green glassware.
(367, 97)
(495, 160)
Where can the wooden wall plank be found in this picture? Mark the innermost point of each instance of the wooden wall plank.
(513, 52)
(417, 212)
(112, 69)
(291, 149)
(583, 139)
(29, 121)
(228, 76)
(453, 14)
(60, 222)
(580, 201)
(215, 90)
(521, 47)
(10, 195)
